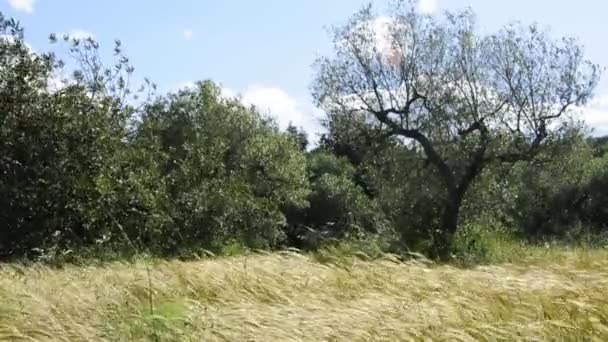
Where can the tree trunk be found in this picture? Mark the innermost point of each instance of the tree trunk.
(444, 237)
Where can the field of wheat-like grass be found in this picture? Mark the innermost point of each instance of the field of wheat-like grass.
(293, 297)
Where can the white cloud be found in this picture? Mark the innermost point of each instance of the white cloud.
(596, 114)
(183, 85)
(381, 27)
(427, 6)
(58, 80)
(188, 34)
(285, 108)
(26, 6)
(228, 93)
(380, 35)
(79, 34)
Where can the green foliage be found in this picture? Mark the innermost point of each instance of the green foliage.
(55, 147)
(479, 243)
(465, 98)
(227, 171)
(195, 170)
(407, 191)
(299, 136)
(339, 208)
(91, 169)
(553, 196)
(391, 174)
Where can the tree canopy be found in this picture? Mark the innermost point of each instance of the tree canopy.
(464, 98)
(436, 135)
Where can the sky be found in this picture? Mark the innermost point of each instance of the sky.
(264, 49)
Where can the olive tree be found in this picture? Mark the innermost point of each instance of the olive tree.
(62, 142)
(464, 99)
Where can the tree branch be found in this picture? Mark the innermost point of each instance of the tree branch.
(430, 151)
(477, 162)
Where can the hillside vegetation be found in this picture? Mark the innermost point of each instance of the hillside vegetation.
(448, 137)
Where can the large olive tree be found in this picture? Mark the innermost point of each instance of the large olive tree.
(463, 98)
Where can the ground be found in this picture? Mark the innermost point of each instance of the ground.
(293, 297)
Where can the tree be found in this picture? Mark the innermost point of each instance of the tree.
(338, 207)
(464, 99)
(299, 135)
(61, 146)
(227, 171)
(561, 197)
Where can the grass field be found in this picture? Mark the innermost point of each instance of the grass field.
(558, 296)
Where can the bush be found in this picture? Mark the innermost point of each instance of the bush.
(55, 148)
(228, 172)
(339, 209)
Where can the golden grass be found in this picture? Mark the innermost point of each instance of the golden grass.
(291, 297)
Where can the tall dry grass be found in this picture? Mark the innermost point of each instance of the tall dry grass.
(291, 297)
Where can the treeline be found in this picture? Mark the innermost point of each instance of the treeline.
(91, 166)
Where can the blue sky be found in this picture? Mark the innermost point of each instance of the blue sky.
(264, 49)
